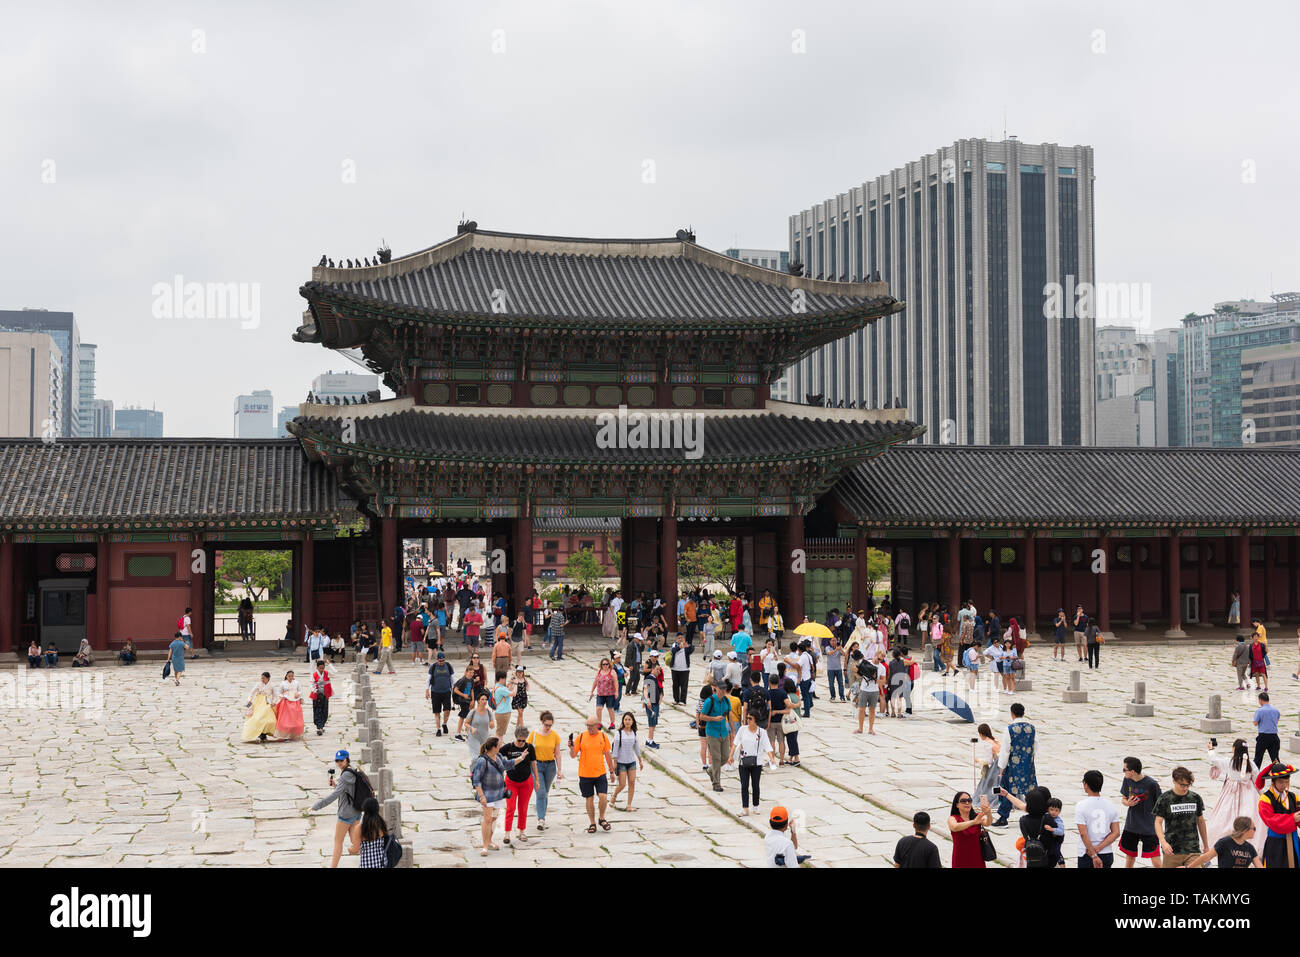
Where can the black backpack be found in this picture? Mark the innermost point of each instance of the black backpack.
(392, 850)
(1036, 851)
(758, 707)
(361, 788)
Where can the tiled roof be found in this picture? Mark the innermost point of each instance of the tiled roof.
(182, 480)
(502, 275)
(606, 526)
(573, 438)
(949, 484)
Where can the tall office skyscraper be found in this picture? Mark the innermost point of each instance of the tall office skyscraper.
(134, 423)
(85, 407)
(343, 385)
(254, 418)
(103, 418)
(62, 328)
(31, 386)
(1208, 388)
(969, 237)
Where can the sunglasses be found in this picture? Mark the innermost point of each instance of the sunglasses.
(964, 801)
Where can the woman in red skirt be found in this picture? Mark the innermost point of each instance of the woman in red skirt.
(965, 823)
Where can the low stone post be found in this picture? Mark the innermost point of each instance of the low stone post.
(385, 783)
(392, 811)
(1074, 694)
(1214, 722)
(1138, 707)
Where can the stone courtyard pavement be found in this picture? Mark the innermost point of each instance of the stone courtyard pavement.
(157, 776)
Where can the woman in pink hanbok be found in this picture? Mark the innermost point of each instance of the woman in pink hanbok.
(1238, 797)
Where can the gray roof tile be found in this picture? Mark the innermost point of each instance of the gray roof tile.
(181, 480)
(951, 484)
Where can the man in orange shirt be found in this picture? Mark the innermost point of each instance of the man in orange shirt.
(595, 760)
(689, 611)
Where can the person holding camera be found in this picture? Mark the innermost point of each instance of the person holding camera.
(351, 792)
(752, 746)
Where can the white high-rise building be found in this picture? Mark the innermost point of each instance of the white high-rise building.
(31, 385)
(255, 415)
(343, 385)
(969, 237)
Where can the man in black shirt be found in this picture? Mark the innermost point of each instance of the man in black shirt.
(917, 851)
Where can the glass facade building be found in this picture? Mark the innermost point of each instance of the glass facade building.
(969, 237)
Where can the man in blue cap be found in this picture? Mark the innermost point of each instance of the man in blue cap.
(437, 689)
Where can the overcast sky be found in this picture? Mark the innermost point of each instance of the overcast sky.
(221, 156)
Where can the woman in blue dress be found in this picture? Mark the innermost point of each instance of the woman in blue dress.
(177, 648)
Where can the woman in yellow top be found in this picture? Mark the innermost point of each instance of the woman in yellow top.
(765, 605)
(546, 769)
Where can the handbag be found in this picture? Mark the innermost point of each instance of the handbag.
(987, 851)
(1017, 665)
(167, 669)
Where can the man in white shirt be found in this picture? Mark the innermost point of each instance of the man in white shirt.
(1097, 821)
(781, 844)
(616, 603)
(806, 676)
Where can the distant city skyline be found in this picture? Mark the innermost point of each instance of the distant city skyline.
(103, 224)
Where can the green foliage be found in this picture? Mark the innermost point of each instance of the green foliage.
(615, 555)
(260, 572)
(877, 568)
(583, 570)
(707, 562)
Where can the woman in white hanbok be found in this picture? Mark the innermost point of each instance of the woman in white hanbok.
(1238, 797)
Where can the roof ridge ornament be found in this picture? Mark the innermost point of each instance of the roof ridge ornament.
(686, 235)
(466, 226)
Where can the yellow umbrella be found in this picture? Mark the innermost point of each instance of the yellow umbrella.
(812, 629)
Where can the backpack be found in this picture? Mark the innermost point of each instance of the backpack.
(758, 709)
(392, 851)
(361, 788)
(180, 623)
(1035, 851)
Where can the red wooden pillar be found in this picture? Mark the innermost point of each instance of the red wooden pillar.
(1031, 581)
(1067, 560)
(1243, 580)
(308, 586)
(1270, 592)
(1175, 586)
(390, 586)
(995, 575)
(1135, 584)
(955, 596)
(198, 592)
(1295, 577)
(1203, 580)
(860, 570)
(1103, 584)
(8, 620)
(793, 606)
(523, 555)
(103, 592)
(668, 569)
